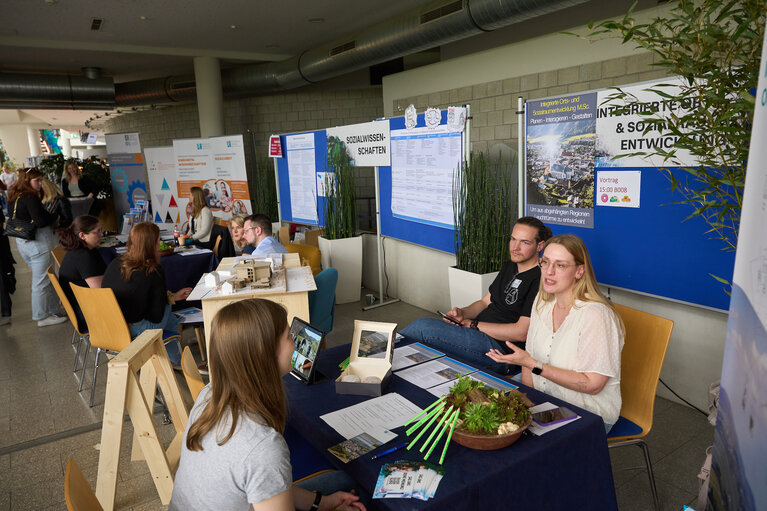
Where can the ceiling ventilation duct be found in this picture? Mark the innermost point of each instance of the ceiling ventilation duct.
(439, 23)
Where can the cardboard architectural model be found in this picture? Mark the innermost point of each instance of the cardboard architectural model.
(256, 274)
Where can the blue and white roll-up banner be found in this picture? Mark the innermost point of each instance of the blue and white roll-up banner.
(739, 462)
(126, 166)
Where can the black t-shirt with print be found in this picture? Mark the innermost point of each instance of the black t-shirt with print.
(511, 294)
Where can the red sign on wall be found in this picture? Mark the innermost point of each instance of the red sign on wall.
(275, 146)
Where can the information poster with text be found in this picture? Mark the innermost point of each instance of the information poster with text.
(217, 165)
(424, 162)
(303, 185)
(161, 171)
(126, 166)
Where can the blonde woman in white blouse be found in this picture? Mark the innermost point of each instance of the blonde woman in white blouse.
(575, 337)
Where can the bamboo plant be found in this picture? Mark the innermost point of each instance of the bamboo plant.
(482, 214)
(340, 205)
(263, 188)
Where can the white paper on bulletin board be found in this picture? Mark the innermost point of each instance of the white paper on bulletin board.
(618, 188)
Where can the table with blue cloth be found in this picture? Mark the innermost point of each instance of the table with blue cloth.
(568, 468)
(180, 271)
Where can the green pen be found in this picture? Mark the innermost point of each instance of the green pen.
(436, 427)
(439, 411)
(449, 436)
(441, 432)
(426, 409)
(424, 419)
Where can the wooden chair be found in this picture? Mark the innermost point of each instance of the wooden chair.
(77, 492)
(191, 373)
(107, 328)
(58, 254)
(82, 336)
(311, 237)
(310, 256)
(216, 245)
(644, 350)
(284, 235)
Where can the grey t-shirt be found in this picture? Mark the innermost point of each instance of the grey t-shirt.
(253, 465)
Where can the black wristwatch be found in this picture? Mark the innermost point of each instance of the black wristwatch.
(317, 499)
(538, 369)
(474, 324)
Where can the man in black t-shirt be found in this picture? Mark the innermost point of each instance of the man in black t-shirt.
(503, 314)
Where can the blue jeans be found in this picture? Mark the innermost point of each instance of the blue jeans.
(465, 343)
(37, 254)
(168, 323)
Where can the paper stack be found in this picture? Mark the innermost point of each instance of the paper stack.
(408, 480)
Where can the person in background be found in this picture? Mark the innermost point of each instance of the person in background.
(503, 314)
(7, 275)
(236, 227)
(258, 235)
(138, 281)
(25, 204)
(8, 179)
(56, 204)
(233, 454)
(575, 337)
(73, 183)
(82, 264)
(200, 217)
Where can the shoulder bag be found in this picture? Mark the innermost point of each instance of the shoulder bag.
(18, 228)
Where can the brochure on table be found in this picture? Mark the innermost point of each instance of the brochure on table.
(435, 372)
(374, 415)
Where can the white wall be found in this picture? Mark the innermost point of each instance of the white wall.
(15, 142)
(418, 275)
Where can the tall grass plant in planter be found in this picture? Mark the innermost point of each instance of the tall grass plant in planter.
(482, 198)
(340, 245)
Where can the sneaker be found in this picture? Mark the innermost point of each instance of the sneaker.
(5, 320)
(51, 320)
(203, 368)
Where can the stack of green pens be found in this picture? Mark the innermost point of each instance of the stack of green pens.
(435, 414)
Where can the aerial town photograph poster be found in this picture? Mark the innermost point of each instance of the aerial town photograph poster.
(561, 142)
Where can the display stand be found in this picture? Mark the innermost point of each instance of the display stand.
(126, 392)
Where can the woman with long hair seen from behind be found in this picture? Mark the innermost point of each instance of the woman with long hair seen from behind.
(56, 204)
(233, 454)
(82, 264)
(575, 338)
(138, 281)
(24, 203)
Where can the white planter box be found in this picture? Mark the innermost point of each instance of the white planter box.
(466, 287)
(345, 255)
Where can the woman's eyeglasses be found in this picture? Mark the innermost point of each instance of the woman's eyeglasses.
(559, 267)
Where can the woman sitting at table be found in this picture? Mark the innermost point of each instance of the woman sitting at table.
(73, 183)
(82, 264)
(236, 228)
(138, 281)
(200, 218)
(233, 454)
(575, 337)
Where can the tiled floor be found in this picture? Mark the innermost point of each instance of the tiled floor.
(44, 422)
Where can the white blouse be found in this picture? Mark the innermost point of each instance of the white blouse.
(588, 341)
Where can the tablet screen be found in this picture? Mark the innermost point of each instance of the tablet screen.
(307, 340)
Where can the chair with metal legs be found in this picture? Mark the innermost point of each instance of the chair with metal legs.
(82, 335)
(108, 330)
(642, 358)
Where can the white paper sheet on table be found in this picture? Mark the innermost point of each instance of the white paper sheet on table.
(193, 251)
(300, 279)
(412, 354)
(385, 412)
(435, 372)
(538, 430)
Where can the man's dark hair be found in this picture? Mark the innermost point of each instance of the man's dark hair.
(261, 220)
(542, 232)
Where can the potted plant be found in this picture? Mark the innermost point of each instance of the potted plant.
(482, 212)
(340, 245)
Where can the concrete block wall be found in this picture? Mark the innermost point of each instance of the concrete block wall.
(494, 104)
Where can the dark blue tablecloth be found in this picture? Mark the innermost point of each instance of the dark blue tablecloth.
(568, 468)
(180, 271)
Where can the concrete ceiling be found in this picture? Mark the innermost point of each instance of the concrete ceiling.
(150, 38)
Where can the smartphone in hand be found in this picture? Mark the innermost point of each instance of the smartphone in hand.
(449, 318)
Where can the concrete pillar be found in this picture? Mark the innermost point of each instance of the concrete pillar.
(33, 137)
(65, 142)
(210, 96)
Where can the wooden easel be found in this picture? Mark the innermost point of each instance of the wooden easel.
(126, 392)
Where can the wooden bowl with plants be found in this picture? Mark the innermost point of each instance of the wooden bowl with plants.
(489, 419)
(165, 249)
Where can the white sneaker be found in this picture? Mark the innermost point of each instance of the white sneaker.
(5, 320)
(51, 320)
